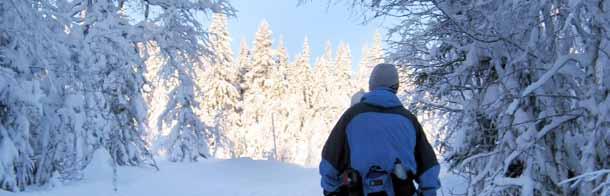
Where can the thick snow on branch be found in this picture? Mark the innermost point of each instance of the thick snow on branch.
(562, 61)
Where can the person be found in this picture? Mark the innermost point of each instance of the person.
(378, 147)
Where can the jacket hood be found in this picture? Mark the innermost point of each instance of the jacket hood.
(383, 97)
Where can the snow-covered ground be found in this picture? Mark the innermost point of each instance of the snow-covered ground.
(234, 177)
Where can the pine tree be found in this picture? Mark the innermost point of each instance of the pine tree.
(123, 101)
(324, 80)
(221, 95)
(282, 106)
(364, 70)
(299, 74)
(324, 67)
(370, 57)
(239, 139)
(302, 78)
(188, 135)
(343, 79)
(376, 51)
(243, 66)
(258, 91)
(282, 54)
(156, 93)
(181, 43)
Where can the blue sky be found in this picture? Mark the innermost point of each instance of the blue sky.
(316, 20)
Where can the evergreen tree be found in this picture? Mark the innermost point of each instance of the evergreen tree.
(376, 55)
(156, 93)
(258, 91)
(304, 90)
(71, 84)
(370, 57)
(122, 103)
(282, 55)
(29, 117)
(343, 75)
(239, 139)
(364, 70)
(221, 95)
(324, 80)
(300, 76)
(188, 135)
(281, 105)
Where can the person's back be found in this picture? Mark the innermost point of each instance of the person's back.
(382, 142)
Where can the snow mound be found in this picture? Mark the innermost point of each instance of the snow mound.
(100, 167)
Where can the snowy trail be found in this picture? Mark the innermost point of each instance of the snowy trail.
(235, 177)
(208, 177)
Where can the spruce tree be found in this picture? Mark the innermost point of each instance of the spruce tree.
(256, 118)
(220, 95)
(364, 69)
(343, 77)
(370, 57)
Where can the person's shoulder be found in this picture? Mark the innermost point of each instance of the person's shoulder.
(358, 108)
(354, 110)
(401, 110)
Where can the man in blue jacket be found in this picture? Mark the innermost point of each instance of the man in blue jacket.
(378, 147)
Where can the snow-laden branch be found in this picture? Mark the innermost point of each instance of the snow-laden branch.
(556, 122)
(477, 156)
(556, 67)
(526, 184)
(590, 176)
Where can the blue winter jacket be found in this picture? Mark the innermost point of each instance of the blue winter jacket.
(378, 132)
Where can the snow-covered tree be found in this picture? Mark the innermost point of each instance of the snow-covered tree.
(72, 78)
(239, 139)
(364, 69)
(376, 55)
(300, 96)
(220, 95)
(178, 41)
(42, 108)
(156, 91)
(281, 55)
(300, 76)
(109, 49)
(282, 103)
(244, 55)
(256, 117)
(344, 83)
(370, 57)
(520, 86)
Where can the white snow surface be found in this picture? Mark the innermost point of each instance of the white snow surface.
(231, 177)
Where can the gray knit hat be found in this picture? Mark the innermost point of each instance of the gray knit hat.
(383, 75)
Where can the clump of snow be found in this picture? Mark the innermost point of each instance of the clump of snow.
(100, 168)
(8, 152)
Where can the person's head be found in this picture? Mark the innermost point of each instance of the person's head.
(384, 76)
